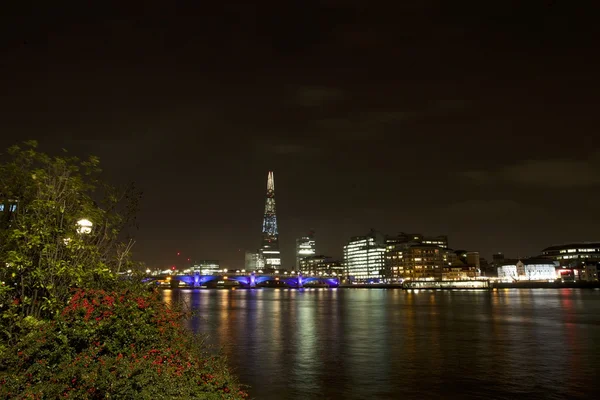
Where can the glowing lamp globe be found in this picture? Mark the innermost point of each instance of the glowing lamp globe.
(84, 226)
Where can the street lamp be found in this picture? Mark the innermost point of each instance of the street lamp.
(84, 226)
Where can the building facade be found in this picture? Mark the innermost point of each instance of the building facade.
(586, 272)
(364, 258)
(414, 256)
(305, 247)
(253, 261)
(458, 272)
(573, 254)
(321, 265)
(532, 269)
(497, 259)
(206, 267)
(473, 259)
(578, 261)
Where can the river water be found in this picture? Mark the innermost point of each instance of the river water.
(393, 344)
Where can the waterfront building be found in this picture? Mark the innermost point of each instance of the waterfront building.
(530, 269)
(418, 238)
(305, 247)
(487, 269)
(472, 258)
(578, 261)
(491, 270)
(321, 265)
(269, 249)
(461, 264)
(458, 272)
(573, 254)
(424, 261)
(497, 259)
(585, 272)
(414, 256)
(364, 258)
(206, 267)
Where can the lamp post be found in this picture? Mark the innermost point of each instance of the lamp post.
(84, 226)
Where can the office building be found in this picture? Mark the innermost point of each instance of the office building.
(321, 265)
(578, 261)
(206, 267)
(305, 247)
(253, 261)
(364, 258)
(573, 254)
(415, 256)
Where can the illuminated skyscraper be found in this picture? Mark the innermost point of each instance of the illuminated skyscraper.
(206, 267)
(364, 258)
(254, 261)
(305, 247)
(269, 249)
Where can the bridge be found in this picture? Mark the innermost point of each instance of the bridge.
(250, 280)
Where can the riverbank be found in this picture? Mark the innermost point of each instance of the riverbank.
(495, 285)
(546, 285)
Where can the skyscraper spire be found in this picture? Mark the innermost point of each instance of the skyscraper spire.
(269, 248)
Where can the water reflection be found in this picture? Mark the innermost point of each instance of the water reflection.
(361, 343)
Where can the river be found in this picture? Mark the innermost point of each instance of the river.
(392, 344)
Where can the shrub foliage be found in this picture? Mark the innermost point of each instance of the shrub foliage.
(71, 326)
(114, 344)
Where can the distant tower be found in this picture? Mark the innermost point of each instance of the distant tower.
(305, 247)
(269, 248)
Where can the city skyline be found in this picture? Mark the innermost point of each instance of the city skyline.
(471, 120)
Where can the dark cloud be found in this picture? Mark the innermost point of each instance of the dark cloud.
(484, 208)
(361, 126)
(479, 177)
(553, 173)
(317, 96)
(293, 149)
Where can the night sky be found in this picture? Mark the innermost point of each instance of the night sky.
(475, 119)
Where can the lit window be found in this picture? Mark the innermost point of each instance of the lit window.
(1, 207)
(12, 208)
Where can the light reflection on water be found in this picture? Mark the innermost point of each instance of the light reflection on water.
(376, 343)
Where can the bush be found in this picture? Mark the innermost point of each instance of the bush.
(61, 335)
(113, 344)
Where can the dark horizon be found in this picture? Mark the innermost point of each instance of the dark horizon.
(473, 120)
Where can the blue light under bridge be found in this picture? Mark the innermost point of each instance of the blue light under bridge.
(252, 280)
